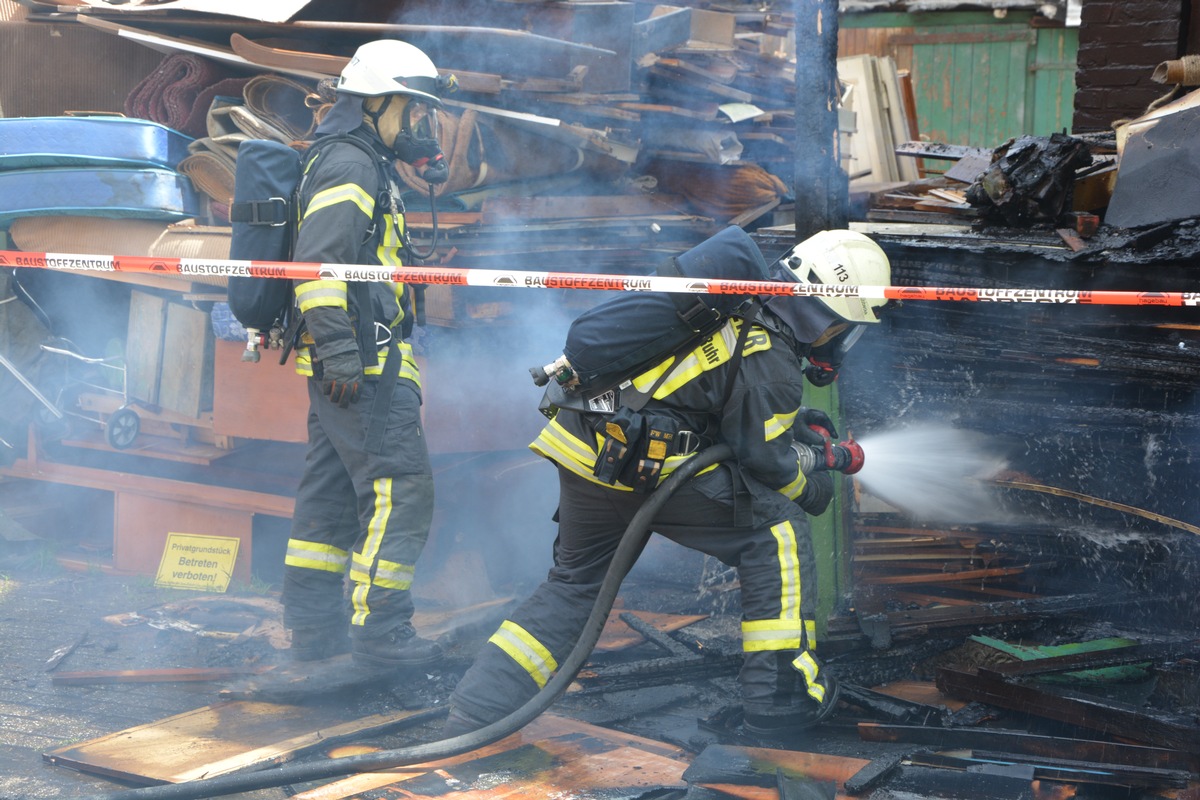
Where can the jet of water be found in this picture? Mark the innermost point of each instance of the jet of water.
(935, 473)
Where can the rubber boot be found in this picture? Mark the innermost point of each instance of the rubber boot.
(320, 643)
(400, 647)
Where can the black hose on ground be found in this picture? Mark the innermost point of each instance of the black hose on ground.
(630, 547)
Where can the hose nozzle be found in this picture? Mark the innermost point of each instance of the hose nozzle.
(846, 457)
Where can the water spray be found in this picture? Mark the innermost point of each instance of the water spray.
(935, 473)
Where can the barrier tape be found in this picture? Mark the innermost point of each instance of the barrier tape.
(451, 276)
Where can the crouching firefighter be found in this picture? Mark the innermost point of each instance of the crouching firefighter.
(365, 500)
(741, 386)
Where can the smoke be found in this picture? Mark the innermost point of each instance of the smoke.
(935, 473)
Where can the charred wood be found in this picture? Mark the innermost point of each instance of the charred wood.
(1075, 708)
(1029, 744)
(1062, 770)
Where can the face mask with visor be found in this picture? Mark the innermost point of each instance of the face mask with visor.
(418, 137)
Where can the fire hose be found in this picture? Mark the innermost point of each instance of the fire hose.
(501, 278)
(627, 552)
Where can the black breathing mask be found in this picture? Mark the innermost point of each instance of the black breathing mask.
(825, 359)
(417, 140)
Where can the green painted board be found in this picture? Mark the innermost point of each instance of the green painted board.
(1132, 672)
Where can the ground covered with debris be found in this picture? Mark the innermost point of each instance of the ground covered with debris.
(109, 682)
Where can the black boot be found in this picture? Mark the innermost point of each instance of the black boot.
(319, 643)
(400, 647)
(789, 726)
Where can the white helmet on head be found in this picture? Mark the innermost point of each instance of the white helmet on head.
(388, 66)
(845, 258)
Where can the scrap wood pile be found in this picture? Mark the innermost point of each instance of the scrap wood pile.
(1075, 186)
(988, 718)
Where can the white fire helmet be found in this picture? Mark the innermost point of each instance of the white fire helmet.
(841, 258)
(388, 66)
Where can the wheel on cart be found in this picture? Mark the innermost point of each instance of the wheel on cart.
(122, 428)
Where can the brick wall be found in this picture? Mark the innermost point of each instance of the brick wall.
(1120, 44)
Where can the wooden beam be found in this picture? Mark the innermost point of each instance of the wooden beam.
(1028, 744)
(1073, 708)
(180, 675)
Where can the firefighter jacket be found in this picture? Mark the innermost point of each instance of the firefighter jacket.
(350, 215)
(756, 422)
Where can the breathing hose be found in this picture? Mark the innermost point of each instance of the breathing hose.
(628, 550)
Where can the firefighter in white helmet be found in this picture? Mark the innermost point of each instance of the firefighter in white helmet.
(365, 500)
(750, 512)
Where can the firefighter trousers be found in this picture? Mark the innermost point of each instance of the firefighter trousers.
(772, 553)
(359, 511)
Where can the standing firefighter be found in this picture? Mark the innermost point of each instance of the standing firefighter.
(365, 500)
(748, 512)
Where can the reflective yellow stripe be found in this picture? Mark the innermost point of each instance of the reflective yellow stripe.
(408, 364)
(528, 652)
(388, 574)
(391, 575)
(779, 424)
(557, 444)
(710, 354)
(344, 193)
(364, 558)
(399, 290)
(789, 570)
(390, 242)
(379, 520)
(569, 452)
(807, 666)
(796, 488)
(321, 293)
(760, 635)
(358, 600)
(312, 555)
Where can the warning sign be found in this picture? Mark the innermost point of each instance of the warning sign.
(202, 563)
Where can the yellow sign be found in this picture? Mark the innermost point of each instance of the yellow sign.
(192, 561)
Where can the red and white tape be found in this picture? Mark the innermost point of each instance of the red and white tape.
(523, 279)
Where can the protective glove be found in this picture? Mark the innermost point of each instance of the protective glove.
(341, 376)
(801, 431)
(337, 353)
(817, 494)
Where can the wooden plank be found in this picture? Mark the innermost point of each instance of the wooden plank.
(551, 757)
(178, 675)
(951, 152)
(665, 29)
(948, 577)
(1118, 656)
(1059, 770)
(1073, 708)
(925, 692)
(319, 63)
(144, 346)
(757, 766)
(501, 209)
(616, 635)
(221, 739)
(873, 774)
(186, 385)
(1027, 743)
(265, 400)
